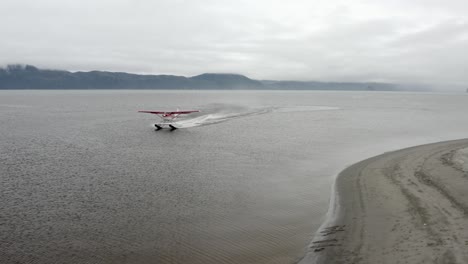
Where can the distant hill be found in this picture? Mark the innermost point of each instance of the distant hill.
(220, 80)
(30, 77)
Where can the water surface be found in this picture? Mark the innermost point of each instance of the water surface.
(86, 179)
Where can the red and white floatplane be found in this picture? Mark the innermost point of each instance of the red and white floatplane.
(168, 118)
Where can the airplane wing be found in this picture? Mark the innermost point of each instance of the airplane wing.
(152, 112)
(170, 113)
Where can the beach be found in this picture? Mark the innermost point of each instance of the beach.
(405, 206)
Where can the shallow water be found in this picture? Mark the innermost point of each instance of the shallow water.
(85, 178)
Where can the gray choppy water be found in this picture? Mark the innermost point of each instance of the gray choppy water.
(85, 179)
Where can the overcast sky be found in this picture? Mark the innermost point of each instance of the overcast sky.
(355, 40)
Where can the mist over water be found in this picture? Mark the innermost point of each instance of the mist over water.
(86, 179)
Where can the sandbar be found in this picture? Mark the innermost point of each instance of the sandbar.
(405, 206)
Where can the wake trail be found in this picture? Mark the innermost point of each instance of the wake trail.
(220, 113)
(217, 113)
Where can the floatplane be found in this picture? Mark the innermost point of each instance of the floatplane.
(168, 118)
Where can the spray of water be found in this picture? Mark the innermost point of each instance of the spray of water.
(216, 113)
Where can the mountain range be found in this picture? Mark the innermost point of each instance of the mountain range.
(30, 77)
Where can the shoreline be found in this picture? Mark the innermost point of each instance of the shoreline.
(404, 206)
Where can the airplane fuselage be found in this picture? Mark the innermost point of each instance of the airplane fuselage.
(168, 118)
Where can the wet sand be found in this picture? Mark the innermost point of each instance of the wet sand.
(406, 206)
